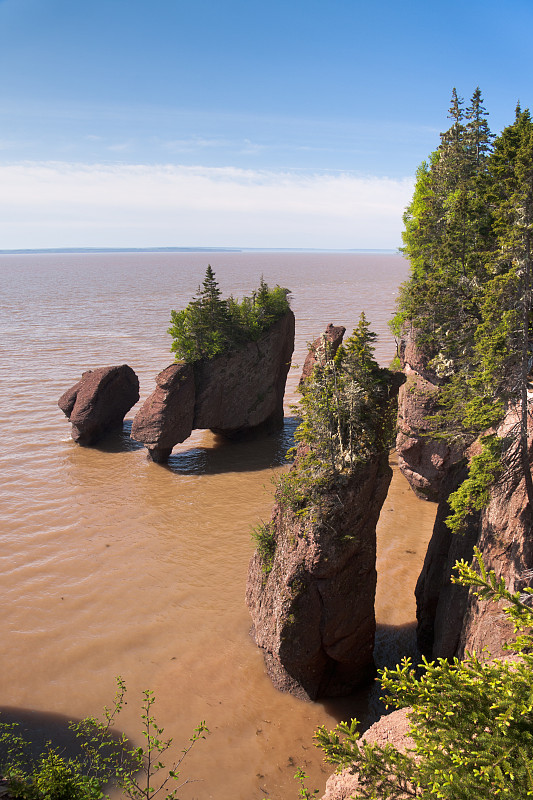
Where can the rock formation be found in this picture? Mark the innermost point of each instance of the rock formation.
(441, 604)
(233, 394)
(167, 416)
(99, 402)
(312, 608)
(334, 335)
(504, 538)
(244, 390)
(423, 460)
(451, 620)
(313, 614)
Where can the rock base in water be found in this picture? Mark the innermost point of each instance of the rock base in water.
(313, 613)
(99, 402)
(167, 416)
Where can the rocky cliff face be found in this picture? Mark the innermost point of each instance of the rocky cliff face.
(312, 600)
(244, 390)
(450, 619)
(313, 613)
(425, 462)
(99, 402)
(233, 394)
(504, 536)
(333, 336)
(167, 416)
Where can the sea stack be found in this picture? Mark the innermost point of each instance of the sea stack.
(234, 394)
(312, 580)
(313, 611)
(98, 403)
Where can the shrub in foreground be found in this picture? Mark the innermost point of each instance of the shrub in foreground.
(105, 760)
(471, 720)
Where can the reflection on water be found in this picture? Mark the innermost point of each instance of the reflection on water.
(231, 455)
(114, 565)
(217, 454)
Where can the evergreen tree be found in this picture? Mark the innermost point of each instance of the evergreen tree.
(210, 325)
(477, 134)
(447, 234)
(344, 409)
(511, 169)
(469, 236)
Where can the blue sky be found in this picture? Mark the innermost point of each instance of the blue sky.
(228, 123)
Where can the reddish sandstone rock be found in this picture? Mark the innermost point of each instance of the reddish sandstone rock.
(333, 335)
(99, 402)
(166, 417)
(506, 544)
(425, 461)
(414, 355)
(392, 729)
(441, 604)
(313, 614)
(451, 620)
(235, 393)
(242, 391)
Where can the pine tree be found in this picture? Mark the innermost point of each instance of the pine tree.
(210, 325)
(512, 193)
(469, 236)
(478, 137)
(344, 403)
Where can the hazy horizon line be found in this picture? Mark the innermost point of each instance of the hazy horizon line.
(369, 250)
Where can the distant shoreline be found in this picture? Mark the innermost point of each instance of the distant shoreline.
(368, 251)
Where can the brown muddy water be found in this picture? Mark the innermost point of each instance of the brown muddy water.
(112, 565)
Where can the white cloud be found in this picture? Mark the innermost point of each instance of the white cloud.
(67, 205)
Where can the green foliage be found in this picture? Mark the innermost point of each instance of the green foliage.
(48, 776)
(304, 792)
(471, 721)
(302, 487)
(468, 235)
(264, 538)
(473, 494)
(343, 405)
(210, 325)
(105, 760)
(347, 417)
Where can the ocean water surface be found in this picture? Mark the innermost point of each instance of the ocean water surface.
(112, 565)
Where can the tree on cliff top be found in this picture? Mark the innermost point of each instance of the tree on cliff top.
(468, 237)
(210, 326)
(342, 403)
(347, 418)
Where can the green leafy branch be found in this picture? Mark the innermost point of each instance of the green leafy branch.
(471, 721)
